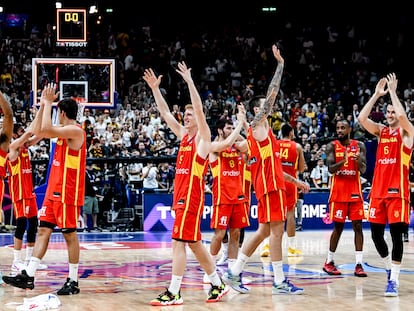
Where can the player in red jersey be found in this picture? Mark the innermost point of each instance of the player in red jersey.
(22, 195)
(65, 189)
(188, 198)
(268, 180)
(293, 163)
(246, 185)
(229, 200)
(346, 160)
(6, 133)
(390, 192)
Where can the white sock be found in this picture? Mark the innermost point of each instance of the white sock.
(33, 265)
(29, 252)
(231, 262)
(225, 248)
(239, 264)
(215, 279)
(17, 255)
(278, 275)
(73, 271)
(175, 284)
(330, 257)
(358, 257)
(395, 272)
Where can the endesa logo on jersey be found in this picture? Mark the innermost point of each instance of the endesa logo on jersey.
(387, 161)
(231, 173)
(346, 172)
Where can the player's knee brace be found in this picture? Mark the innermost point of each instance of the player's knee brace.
(396, 231)
(32, 229)
(377, 235)
(21, 224)
(241, 239)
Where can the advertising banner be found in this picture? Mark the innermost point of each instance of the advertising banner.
(315, 212)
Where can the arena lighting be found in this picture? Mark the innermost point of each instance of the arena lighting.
(93, 9)
(58, 5)
(1, 9)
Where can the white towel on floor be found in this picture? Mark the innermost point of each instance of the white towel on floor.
(40, 303)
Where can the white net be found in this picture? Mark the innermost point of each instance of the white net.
(81, 108)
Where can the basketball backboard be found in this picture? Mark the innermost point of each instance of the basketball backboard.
(89, 81)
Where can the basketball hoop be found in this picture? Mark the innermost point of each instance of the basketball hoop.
(81, 108)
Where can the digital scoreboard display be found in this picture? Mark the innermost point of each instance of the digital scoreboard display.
(71, 28)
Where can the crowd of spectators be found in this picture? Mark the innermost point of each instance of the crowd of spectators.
(330, 73)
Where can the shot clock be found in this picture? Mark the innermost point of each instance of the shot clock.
(71, 28)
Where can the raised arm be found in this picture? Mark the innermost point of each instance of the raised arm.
(36, 125)
(204, 133)
(218, 146)
(400, 113)
(7, 129)
(373, 127)
(241, 144)
(272, 90)
(154, 83)
(71, 132)
(274, 86)
(15, 145)
(48, 96)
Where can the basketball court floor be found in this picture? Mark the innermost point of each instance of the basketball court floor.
(125, 270)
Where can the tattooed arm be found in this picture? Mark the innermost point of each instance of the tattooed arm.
(260, 118)
(274, 86)
(273, 89)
